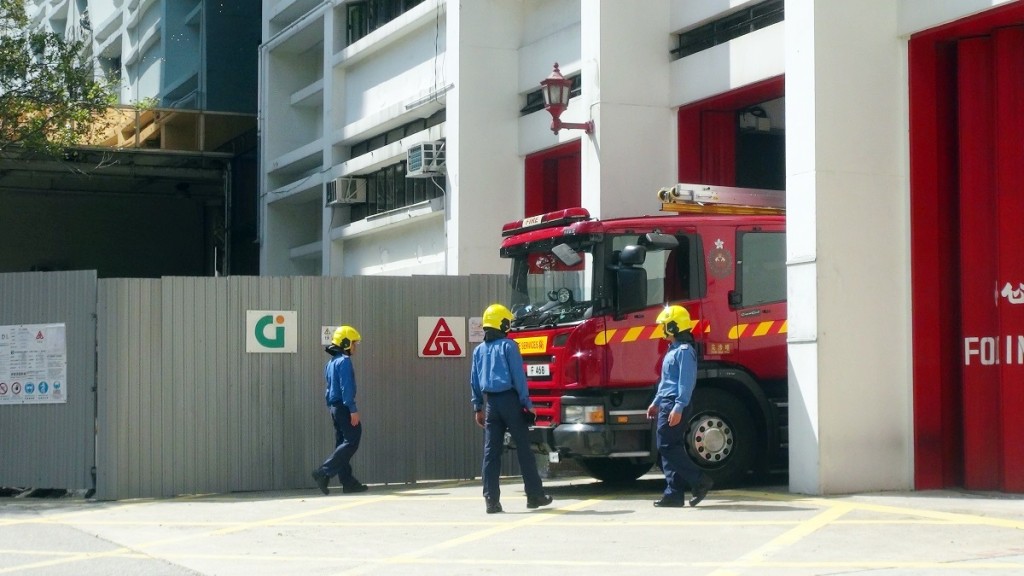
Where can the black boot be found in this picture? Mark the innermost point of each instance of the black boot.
(542, 500)
(668, 502)
(701, 490)
(321, 481)
(354, 486)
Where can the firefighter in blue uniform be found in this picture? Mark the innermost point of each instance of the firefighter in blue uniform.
(671, 406)
(501, 402)
(341, 400)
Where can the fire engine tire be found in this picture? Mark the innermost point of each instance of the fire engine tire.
(721, 437)
(615, 470)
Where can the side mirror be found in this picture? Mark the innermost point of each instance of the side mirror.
(658, 241)
(630, 289)
(633, 256)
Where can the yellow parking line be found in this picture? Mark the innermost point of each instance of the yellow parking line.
(958, 567)
(124, 551)
(934, 515)
(535, 518)
(830, 513)
(97, 509)
(758, 558)
(949, 517)
(758, 555)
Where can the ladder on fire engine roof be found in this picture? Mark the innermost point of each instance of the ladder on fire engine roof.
(704, 199)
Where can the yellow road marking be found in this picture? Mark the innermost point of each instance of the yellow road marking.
(934, 515)
(955, 566)
(759, 558)
(42, 519)
(758, 555)
(535, 518)
(135, 549)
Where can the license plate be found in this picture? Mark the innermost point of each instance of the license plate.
(537, 370)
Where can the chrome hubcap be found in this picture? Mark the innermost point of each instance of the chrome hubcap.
(711, 439)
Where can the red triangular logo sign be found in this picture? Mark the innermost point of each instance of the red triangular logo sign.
(442, 342)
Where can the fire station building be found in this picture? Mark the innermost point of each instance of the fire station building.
(399, 135)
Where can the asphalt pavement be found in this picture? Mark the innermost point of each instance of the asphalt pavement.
(440, 528)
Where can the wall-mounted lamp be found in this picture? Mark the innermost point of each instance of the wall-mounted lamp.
(556, 90)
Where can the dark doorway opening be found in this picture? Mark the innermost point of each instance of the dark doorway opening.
(736, 139)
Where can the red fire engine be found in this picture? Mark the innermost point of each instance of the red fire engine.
(585, 295)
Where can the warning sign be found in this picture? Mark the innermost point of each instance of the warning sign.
(33, 364)
(442, 336)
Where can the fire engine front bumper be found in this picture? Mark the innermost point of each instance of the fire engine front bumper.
(592, 440)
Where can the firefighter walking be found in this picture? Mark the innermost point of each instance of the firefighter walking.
(501, 402)
(340, 395)
(671, 406)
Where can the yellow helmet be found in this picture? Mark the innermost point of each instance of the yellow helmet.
(344, 336)
(498, 317)
(674, 319)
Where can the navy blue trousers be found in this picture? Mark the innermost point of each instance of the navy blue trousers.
(504, 412)
(680, 472)
(346, 440)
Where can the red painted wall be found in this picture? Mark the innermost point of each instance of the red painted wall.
(707, 132)
(1008, 146)
(967, 193)
(553, 179)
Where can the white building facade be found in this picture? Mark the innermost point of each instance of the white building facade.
(349, 87)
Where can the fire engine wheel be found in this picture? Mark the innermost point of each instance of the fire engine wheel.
(720, 436)
(615, 470)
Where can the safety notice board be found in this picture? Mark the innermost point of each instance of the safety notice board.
(33, 364)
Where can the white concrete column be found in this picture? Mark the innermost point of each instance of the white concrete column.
(850, 386)
(485, 171)
(625, 80)
(331, 259)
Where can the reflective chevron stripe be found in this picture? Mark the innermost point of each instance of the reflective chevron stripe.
(634, 333)
(768, 328)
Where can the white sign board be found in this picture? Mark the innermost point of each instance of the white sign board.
(33, 364)
(326, 334)
(441, 336)
(271, 331)
(476, 329)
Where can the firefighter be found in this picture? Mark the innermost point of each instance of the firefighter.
(341, 399)
(671, 406)
(501, 403)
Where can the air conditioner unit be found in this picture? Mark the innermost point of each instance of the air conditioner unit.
(425, 160)
(345, 191)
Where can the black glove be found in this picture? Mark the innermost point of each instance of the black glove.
(529, 417)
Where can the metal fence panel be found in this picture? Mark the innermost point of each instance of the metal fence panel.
(184, 409)
(52, 445)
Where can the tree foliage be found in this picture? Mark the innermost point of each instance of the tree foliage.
(49, 94)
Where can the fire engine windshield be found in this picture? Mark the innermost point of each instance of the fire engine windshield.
(550, 285)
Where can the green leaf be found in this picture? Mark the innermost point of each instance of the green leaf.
(50, 98)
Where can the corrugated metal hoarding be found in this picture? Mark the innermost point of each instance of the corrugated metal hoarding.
(184, 408)
(47, 440)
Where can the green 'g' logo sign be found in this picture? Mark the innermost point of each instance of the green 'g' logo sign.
(270, 331)
(277, 341)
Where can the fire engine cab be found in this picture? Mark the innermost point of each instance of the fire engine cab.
(586, 293)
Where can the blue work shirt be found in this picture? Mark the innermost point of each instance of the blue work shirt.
(498, 367)
(678, 375)
(341, 382)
